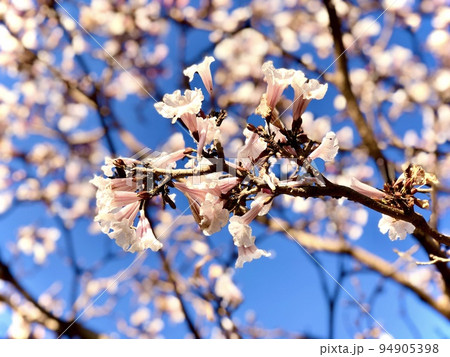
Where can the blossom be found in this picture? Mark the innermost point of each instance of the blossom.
(213, 215)
(204, 70)
(239, 226)
(328, 149)
(185, 107)
(277, 80)
(304, 92)
(167, 161)
(133, 239)
(241, 231)
(247, 254)
(116, 202)
(38, 242)
(207, 130)
(205, 202)
(398, 229)
(144, 237)
(366, 190)
(252, 149)
(227, 290)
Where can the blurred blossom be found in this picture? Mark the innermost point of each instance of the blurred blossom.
(38, 242)
(227, 290)
(6, 199)
(242, 55)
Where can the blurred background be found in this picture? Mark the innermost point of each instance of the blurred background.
(78, 83)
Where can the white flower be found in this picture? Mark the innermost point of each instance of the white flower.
(328, 149)
(205, 202)
(144, 237)
(277, 80)
(213, 215)
(204, 70)
(133, 239)
(397, 228)
(175, 105)
(165, 160)
(253, 147)
(123, 233)
(38, 242)
(304, 92)
(247, 254)
(207, 131)
(366, 190)
(241, 232)
(239, 226)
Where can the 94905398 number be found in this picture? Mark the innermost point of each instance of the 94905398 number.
(408, 348)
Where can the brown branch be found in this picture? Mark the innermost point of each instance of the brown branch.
(173, 280)
(68, 328)
(339, 191)
(342, 81)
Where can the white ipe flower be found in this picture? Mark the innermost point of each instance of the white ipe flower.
(366, 190)
(118, 204)
(304, 92)
(253, 147)
(205, 202)
(247, 254)
(328, 149)
(398, 229)
(185, 107)
(241, 231)
(204, 70)
(277, 80)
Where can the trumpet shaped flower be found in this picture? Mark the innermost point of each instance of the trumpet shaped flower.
(328, 149)
(204, 70)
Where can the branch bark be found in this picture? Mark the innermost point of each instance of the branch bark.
(68, 328)
(342, 81)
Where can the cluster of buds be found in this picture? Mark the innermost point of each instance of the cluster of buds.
(400, 194)
(216, 187)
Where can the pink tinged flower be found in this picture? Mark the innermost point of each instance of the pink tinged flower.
(277, 81)
(241, 232)
(122, 233)
(144, 237)
(398, 229)
(107, 218)
(366, 190)
(204, 70)
(304, 92)
(123, 198)
(252, 149)
(207, 131)
(167, 161)
(206, 207)
(176, 106)
(224, 185)
(213, 216)
(328, 149)
(239, 226)
(247, 254)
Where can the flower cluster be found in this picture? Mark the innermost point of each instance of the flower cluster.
(216, 186)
